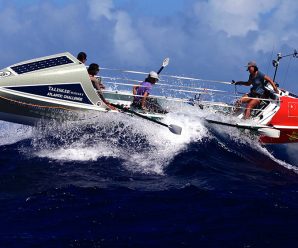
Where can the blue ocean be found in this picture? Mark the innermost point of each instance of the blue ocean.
(113, 180)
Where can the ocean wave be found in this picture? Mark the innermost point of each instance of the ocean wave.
(142, 146)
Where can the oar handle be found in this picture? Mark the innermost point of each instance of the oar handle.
(164, 64)
(161, 68)
(138, 114)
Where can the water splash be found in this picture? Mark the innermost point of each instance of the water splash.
(143, 146)
(13, 133)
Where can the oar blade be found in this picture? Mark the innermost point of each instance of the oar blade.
(175, 129)
(165, 62)
(269, 132)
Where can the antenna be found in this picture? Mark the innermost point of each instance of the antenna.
(275, 63)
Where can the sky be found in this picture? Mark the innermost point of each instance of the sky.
(210, 39)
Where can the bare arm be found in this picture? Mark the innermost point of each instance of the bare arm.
(134, 89)
(99, 87)
(144, 100)
(243, 83)
(96, 83)
(272, 83)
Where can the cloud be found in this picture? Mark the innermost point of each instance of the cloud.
(9, 18)
(101, 8)
(127, 42)
(235, 18)
(280, 29)
(208, 39)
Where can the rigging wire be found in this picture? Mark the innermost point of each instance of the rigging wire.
(269, 63)
(152, 96)
(160, 84)
(286, 74)
(171, 76)
(204, 103)
(179, 99)
(204, 92)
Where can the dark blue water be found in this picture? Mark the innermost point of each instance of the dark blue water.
(60, 189)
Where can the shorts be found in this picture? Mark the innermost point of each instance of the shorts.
(255, 95)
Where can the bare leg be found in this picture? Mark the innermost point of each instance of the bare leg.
(251, 105)
(244, 99)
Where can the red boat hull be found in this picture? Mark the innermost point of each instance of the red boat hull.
(286, 136)
(286, 120)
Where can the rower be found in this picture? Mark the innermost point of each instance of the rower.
(258, 81)
(142, 92)
(93, 70)
(82, 57)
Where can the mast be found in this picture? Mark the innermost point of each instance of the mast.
(275, 63)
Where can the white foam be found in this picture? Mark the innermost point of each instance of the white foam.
(282, 163)
(76, 153)
(143, 146)
(248, 139)
(146, 147)
(292, 150)
(12, 133)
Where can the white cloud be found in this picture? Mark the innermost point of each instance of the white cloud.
(236, 18)
(205, 33)
(273, 22)
(280, 29)
(126, 39)
(127, 42)
(10, 22)
(101, 8)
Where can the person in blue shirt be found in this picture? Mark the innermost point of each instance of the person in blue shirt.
(258, 80)
(141, 94)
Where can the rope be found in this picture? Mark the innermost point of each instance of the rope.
(33, 105)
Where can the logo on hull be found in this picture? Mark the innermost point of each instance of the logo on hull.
(293, 136)
(5, 73)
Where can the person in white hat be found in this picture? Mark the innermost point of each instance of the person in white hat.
(258, 80)
(143, 90)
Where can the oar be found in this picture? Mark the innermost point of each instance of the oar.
(262, 130)
(164, 64)
(173, 128)
(269, 132)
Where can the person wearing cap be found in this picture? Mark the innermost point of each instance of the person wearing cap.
(93, 70)
(258, 80)
(142, 92)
